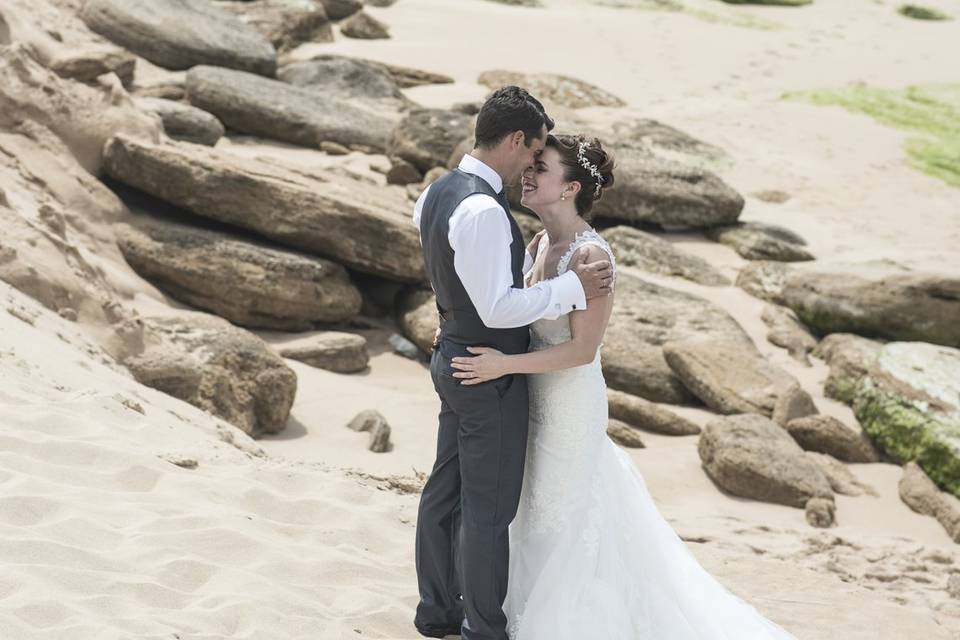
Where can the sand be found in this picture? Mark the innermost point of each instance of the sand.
(110, 532)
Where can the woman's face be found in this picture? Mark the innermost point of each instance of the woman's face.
(543, 183)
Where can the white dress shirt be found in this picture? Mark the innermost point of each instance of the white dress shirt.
(480, 236)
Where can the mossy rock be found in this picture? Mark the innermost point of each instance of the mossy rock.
(918, 12)
(907, 431)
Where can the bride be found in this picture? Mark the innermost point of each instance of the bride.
(591, 558)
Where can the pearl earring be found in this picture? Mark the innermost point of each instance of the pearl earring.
(563, 196)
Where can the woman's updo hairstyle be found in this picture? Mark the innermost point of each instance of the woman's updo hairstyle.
(592, 168)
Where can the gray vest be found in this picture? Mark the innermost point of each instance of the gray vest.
(460, 323)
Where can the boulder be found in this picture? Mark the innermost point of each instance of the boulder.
(62, 42)
(839, 476)
(340, 9)
(402, 172)
(793, 403)
(758, 241)
(764, 279)
(179, 34)
(662, 179)
(363, 26)
(408, 77)
(218, 367)
(244, 280)
(645, 317)
(908, 405)
(272, 109)
(787, 332)
(826, 434)
(331, 350)
(752, 457)
(349, 79)
(879, 306)
(624, 435)
(419, 319)
(728, 378)
(183, 122)
(920, 494)
(345, 220)
(286, 25)
(426, 138)
(850, 358)
(642, 414)
(376, 425)
(636, 248)
(552, 88)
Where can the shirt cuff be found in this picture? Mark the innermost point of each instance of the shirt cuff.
(566, 295)
(527, 262)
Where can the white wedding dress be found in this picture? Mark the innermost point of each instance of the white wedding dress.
(591, 558)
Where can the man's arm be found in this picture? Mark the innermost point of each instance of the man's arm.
(480, 237)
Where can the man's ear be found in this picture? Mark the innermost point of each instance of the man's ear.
(518, 138)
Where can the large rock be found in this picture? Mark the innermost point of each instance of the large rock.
(787, 332)
(285, 24)
(643, 414)
(826, 434)
(179, 34)
(340, 9)
(764, 279)
(408, 77)
(245, 281)
(645, 317)
(839, 476)
(82, 116)
(752, 457)
(553, 88)
(909, 404)
(272, 109)
(62, 42)
(183, 122)
(363, 26)
(331, 350)
(661, 180)
(758, 241)
(920, 494)
(850, 358)
(342, 219)
(624, 434)
(882, 306)
(635, 248)
(426, 138)
(218, 367)
(349, 79)
(728, 378)
(418, 316)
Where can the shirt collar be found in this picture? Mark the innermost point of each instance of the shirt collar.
(478, 168)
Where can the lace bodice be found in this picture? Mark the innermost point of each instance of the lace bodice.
(545, 333)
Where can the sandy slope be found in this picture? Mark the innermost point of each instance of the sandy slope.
(107, 535)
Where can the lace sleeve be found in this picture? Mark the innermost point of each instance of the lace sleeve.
(584, 238)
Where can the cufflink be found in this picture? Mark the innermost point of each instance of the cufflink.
(574, 306)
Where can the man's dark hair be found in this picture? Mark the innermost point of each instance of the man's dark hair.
(510, 109)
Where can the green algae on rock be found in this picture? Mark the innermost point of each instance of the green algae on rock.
(918, 12)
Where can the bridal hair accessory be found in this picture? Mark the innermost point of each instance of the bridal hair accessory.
(589, 166)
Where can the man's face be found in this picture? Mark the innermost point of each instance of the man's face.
(527, 153)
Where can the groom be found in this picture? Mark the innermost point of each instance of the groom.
(476, 260)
